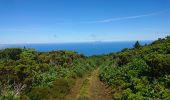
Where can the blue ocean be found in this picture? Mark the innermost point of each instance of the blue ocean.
(88, 49)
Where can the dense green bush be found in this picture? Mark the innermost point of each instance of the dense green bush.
(139, 74)
(159, 63)
(39, 93)
(27, 73)
(10, 53)
(58, 90)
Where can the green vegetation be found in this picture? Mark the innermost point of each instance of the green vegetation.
(141, 73)
(27, 74)
(84, 95)
(137, 45)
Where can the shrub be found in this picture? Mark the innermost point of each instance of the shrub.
(10, 53)
(39, 93)
(159, 63)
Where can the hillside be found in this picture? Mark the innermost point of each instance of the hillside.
(142, 73)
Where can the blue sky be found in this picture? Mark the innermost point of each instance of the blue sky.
(56, 21)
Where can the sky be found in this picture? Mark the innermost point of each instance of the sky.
(63, 21)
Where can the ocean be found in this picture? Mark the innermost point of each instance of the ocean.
(87, 49)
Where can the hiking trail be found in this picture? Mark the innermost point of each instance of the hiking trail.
(89, 88)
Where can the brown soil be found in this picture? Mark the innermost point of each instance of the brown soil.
(96, 90)
(75, 90)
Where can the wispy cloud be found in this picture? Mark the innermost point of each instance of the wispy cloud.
(124, 18)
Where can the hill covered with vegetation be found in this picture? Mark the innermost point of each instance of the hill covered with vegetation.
(140, 73)
(27, 74)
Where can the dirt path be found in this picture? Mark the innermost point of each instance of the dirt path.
(98, 90)
(75, 90)
(90, 88)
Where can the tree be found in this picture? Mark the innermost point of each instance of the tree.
(137, 45)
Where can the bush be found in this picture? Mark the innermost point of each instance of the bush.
(59, 89)
(39, 93)
(12, 53)
(159, 63)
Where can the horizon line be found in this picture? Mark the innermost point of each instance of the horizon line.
(76, 42)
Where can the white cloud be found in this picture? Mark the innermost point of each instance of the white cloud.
(124, 18)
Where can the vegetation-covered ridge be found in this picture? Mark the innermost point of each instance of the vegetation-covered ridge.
(30, 75)
(140, 73)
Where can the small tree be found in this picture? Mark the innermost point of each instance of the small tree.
(137, 45)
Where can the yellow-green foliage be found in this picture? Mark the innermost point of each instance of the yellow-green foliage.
(84, 92)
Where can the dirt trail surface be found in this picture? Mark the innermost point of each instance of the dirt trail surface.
(98, 90)
(94, 89)
(75, 90)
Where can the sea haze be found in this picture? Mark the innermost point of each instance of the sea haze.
(88, 49)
